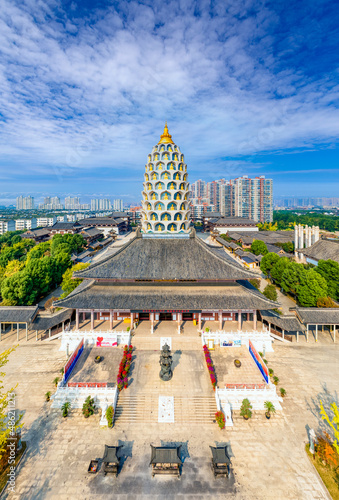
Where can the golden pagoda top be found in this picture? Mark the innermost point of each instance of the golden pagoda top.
(165, 138)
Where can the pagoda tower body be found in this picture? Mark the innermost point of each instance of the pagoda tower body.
(165, 205)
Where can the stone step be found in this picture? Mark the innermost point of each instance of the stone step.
(143, 408)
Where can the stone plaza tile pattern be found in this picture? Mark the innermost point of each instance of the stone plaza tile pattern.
(268, 457)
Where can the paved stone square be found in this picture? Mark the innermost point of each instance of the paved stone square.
(268, 457)
(226, 371)
(86, 370)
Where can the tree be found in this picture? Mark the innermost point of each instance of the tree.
(270, 292)
(329, 269)
(13, 267)
(19, 289)
(313, 288)
(39, 251)
(68, 284)
(258, 247)
(7, 430)
(255, 283)
(293, 276)
(278, 269)
(268, 261)
(334, 423)
(326, 302)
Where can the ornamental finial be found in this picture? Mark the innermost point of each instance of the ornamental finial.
(165, 138)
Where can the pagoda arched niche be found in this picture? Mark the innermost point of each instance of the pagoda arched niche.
(161, 148)
(172, 185)
(182, 186)
(175, 156)
(153, 216)
(178, 217)
(183, 206)
(182, 227)
(154, 176)
(182, 157)
(169, 148)
(160, 166)
(177, 196)
(166, 217)
(165, 156)
(149, 157)
(160, 185)
(165, 176)
(148, 186)
(171, 227)
(159, 227)
(177, 176)
(159, 206)
(171, 165)
(146, 177)
(166, 196)
(149, 227)
(150, 167)
(172, 206)
(185, 177)
(181, 167)
(153, 196)
(156, 156)
(148, 206)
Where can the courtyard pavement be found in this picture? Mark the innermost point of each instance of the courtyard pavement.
(268, 457)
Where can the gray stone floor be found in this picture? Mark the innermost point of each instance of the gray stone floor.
(268, 456)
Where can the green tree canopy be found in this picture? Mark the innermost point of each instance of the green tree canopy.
(270, 292)
(293, 276)
(268, 261)
(313, 288)
(258, 247)
(18, 289)
(278, 269)
(329, 269)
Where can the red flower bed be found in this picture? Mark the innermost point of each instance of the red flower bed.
(210, 367)
(124, 367)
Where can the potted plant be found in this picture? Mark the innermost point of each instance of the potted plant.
(110, 415)
(128, 328)
(237, 363)
(56, 381)
(48, 396)
(269, 409)
(245, 409)
(271, 372)
(97, 359)
(220, 418)
(265, 361)
(207, 329)
(62, 370)
(65, 408)
(282, 392)
(275, 380)
(88, 407)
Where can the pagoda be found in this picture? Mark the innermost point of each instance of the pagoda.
(165, 205)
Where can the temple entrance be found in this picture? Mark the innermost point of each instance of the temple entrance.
(164, 316)
(143, 316)
(187, 316)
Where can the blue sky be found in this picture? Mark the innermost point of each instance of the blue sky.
(247, 87)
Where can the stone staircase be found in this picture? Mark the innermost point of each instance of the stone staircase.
(143, 408)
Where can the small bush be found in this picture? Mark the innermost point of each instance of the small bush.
(245, 410)
(110, 416)
(271, 372)
(270, 292)
(220, 418)
(48, 395)
(282, 392)
(56, 381)
(65, 408)
(88, 407)
(275, 380)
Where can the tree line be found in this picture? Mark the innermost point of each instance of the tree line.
(310, 285)
(285, 219)
(29, 271)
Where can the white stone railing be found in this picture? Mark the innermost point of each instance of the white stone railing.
(225, 408)
(103, 397)
(257, 397)
(72, 339)
(262, 341)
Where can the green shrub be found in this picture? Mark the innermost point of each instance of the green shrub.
(88, 407)
(110, 416)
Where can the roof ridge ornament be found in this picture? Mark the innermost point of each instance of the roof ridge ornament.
(165, 137)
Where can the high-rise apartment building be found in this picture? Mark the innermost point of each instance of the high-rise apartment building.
(101, 204)
(72, 203)
(198, 189)
(118, 205)
(25, 203)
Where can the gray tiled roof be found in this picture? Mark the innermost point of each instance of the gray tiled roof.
(287, 323)
(17, 314)
(45, 322)
(322, 249)
(137, 296)
(233, 221)
(166, 259)
(318, 315)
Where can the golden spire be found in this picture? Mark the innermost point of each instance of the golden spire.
(165, 138)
